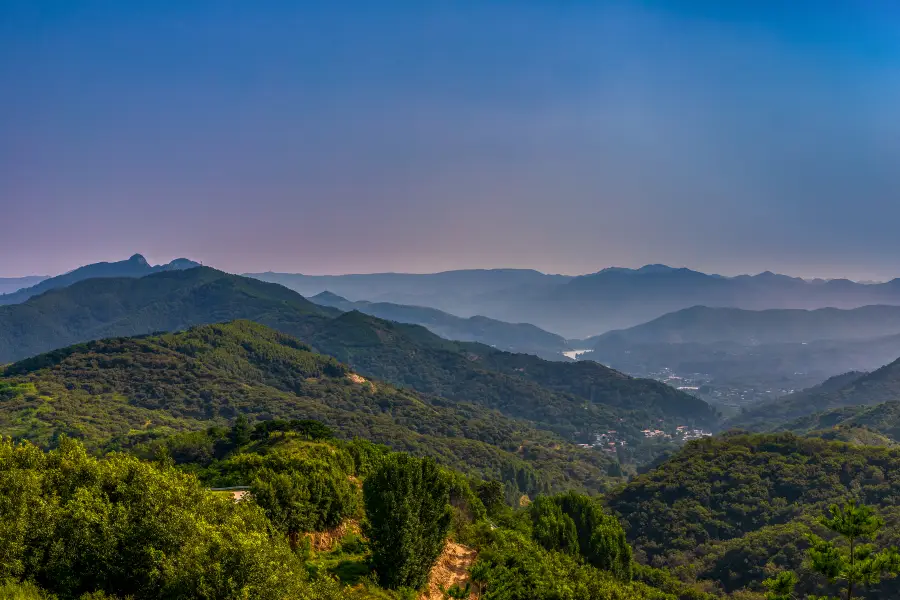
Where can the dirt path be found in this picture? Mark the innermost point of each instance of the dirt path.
(452, 568)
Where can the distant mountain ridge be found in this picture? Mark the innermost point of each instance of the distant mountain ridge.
(14, 284)
(136, 266)
(511, 337)
(703, 324)
(456, 292)
(586, 305)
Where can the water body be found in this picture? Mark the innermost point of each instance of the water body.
(573, 354)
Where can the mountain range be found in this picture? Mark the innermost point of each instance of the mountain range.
(512, 337)
(705, 325)
(586, 305)
(570, 399)
(136, 266)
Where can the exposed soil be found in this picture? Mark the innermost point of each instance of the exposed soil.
(325, 541)
(451, 568)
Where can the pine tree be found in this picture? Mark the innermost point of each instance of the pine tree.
(848, 559)
(408, 518)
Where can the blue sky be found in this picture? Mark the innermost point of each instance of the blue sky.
(337, 137)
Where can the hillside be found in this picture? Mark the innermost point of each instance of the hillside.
(136, 266)
(112, 390)
(850, 389)
(406, 355)
(728, 507)
(882, 418)
(511, 337)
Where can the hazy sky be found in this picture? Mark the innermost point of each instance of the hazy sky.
(333, 137)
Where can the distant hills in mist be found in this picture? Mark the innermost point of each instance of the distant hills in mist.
(512, 337)
(586, 305)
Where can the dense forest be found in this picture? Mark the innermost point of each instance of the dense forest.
(114, 393)
(738, 508)
(323, 518)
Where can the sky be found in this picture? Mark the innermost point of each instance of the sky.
(358, 136)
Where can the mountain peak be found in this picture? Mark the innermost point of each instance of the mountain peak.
(139, 260)
(327, 296)
(182, 263)
(655, 268)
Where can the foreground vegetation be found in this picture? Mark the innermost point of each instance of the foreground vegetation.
(75, 526)
(717, 520)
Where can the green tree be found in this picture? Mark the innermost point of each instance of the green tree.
(492, 495)
(310, 497)
(408, 517)
(240, 431)
(74, 524)
(601, 539)
(781, 587)
(551, 528)
(848, 559)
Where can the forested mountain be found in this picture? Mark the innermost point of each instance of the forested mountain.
(573, 400)
(165, 301)
(850, 389)
(511, 337)
(119, 390)
(14, 284)
(136, 266)
(881, 418)
(738, 508)
(704, 325)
